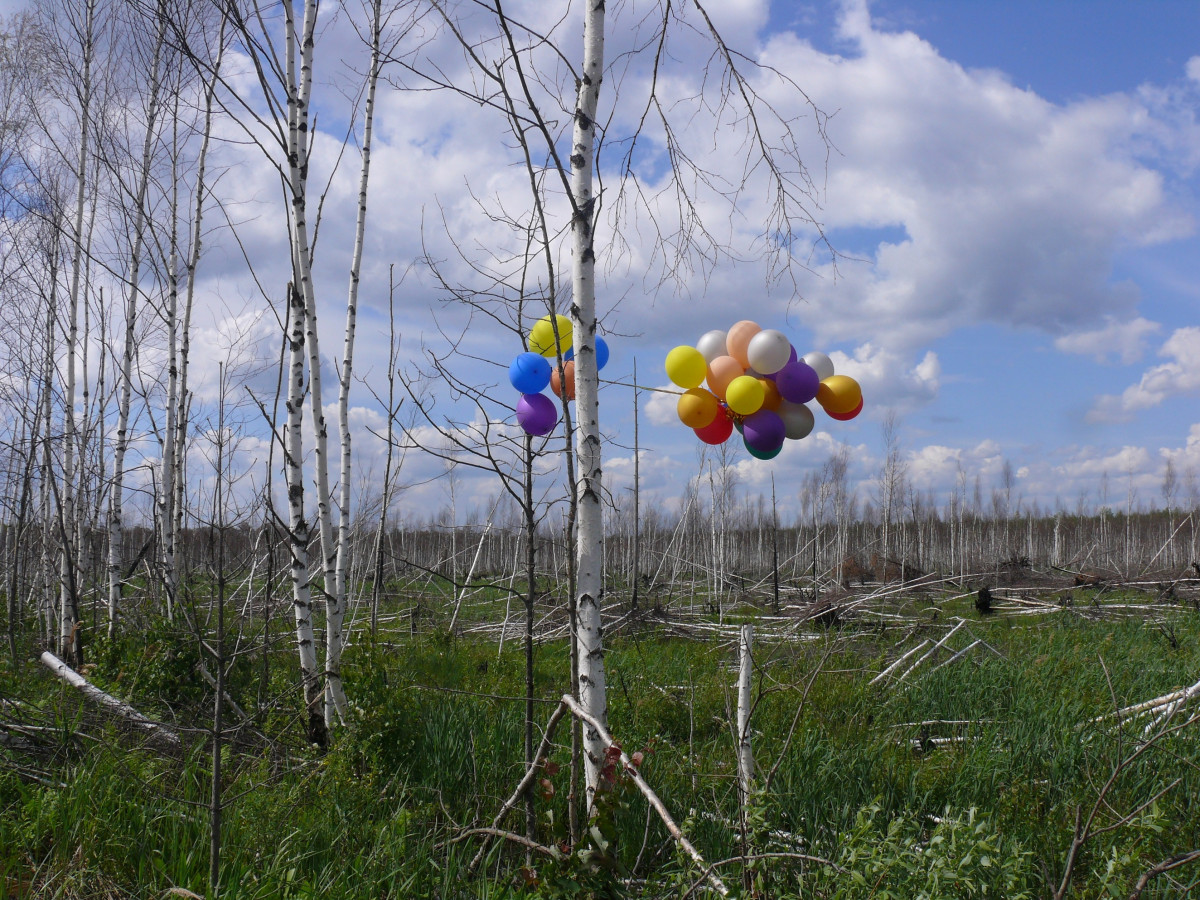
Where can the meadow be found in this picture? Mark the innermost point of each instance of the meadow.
(983, 773)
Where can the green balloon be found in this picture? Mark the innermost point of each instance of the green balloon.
(758, 454)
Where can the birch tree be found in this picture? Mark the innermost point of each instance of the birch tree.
(139, 191)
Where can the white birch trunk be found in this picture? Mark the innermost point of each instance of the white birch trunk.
(335, 697)
(68, 614)
(297, 524)
(589, 528)
(744, 702)
(116, 523)
(299, 95)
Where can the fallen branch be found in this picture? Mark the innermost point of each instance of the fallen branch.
(753, 857)
(568, 704)
(152, 729)
(1172, 862)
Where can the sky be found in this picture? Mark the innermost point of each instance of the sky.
(1008, 258)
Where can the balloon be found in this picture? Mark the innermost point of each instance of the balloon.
(717, 431)
(685, 366)
(569, 355)
(763, 454)
(697, 408)
(768, 351)
(541, 336)
(737, 342)
(839, 394)
(822, 363)
(537, 414)
(745, 395)
(797, 382)
(771, 397)
(721, 371)
(847, 416)
(712, 344)
(797, 419)
(529, 373)
(763, 431)
(601, 353)
(568, 375)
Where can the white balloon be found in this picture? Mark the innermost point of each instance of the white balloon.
(820, 363)
(797, 418)
(769, 351)
(712, 344)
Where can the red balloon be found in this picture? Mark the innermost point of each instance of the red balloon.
(717, 431)
(846, 416)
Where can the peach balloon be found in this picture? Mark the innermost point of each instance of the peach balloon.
(721, 371)
(737, 341)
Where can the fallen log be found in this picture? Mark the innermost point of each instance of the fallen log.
(153, 730)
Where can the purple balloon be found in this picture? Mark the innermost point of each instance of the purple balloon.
(537, 414)
(763, 431)
(797, 382)
(794, 356)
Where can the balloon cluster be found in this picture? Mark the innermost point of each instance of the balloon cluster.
(758, 384)
(532, 371)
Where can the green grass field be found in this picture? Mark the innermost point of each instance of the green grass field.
(963, 780)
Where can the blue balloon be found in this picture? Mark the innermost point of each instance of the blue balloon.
(529, 373)
(601, 353)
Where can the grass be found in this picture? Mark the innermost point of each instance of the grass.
(426, 753)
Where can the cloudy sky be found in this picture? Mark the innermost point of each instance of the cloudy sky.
(1009, 187)
(1007, 191)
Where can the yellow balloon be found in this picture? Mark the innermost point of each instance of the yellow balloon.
(541, 336)
(745, 395)
(839, 394)
(686, 366)
(697, 408)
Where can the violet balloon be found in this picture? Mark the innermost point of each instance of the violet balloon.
(764, 430)
(797, 382)
(537, 414)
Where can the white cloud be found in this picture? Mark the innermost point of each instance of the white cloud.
(1181, 375)
(888, 382)
(660, 408)
(1116, 340)
(1011, 207)
(1193, 69)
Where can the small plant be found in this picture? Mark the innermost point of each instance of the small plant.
(591, 869)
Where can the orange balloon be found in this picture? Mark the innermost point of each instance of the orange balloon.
(697, 408)
(721, 371)
(569, 374)
(839, 394)
(737, 341)
(771, 399)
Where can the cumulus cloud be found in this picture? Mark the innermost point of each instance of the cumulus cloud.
(888, 380)
(1001, 206)
(1180, 375)
(1116, 340)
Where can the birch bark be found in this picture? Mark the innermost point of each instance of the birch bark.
(116, 523)
(589, 529)
(68, 607)
(298, 536)
(335, 697)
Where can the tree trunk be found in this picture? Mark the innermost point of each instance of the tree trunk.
(589, 528)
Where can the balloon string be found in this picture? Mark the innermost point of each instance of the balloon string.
(642, 387)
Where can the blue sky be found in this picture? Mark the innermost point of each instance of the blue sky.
(1062, 338)
(1013, 187)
